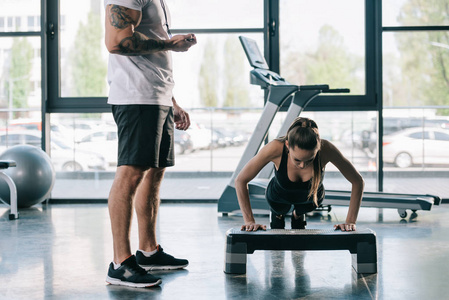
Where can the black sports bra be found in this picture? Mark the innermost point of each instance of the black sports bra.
(282, 175)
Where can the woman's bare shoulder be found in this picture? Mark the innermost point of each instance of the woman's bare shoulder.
(327, 149)
(273, 149)
(324, 145)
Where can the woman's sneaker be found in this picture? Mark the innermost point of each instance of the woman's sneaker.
(277, 221)
(160, 261)
(299, 223)
(130, 274)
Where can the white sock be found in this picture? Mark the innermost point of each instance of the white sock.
(148, 254)
(116, 266)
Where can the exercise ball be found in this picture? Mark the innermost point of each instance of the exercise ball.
(34, 175)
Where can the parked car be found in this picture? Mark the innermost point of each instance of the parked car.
(219, 139)
(417, 146)
(104, 142)
(396, 124)
(183, 142)
(223, 137)
(63, 157)
(201, 136)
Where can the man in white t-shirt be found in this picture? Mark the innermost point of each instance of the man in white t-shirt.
(141, 82)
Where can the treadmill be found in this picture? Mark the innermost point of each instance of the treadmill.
(278, 92)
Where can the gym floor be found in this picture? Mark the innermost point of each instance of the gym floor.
(62, 251)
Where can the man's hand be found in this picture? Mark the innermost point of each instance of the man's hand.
(345, 227)
(182, 119)
(253, 227)
(122, 38)
(180, 43)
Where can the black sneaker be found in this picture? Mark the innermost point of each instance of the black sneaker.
(277, 221)
(160, 261)
(299, 223)
(130, 274)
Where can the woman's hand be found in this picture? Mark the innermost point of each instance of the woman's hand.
(253, 227)
(345, 227)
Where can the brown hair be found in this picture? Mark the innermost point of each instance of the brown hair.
(303, 133)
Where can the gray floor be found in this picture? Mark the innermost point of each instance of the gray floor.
(62, 252)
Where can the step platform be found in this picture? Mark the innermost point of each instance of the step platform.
(361, 244)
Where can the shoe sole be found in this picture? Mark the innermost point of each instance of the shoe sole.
(156, 267)
(115, 281)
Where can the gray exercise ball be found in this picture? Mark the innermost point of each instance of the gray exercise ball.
(34, 175)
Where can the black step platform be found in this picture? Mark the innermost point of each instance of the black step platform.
(361, 244)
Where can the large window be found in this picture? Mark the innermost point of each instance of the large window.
(415, 99)
(324, 45)
(217, 14)
(20, 77)
(83, 56)
(78, 57)
(20, 16)
(211, 83)
(20, 74)
(413, 13)
(214, 73)
(393, 55)
(331, 42)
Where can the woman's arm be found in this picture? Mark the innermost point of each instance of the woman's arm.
(268, 153)
(333, 155)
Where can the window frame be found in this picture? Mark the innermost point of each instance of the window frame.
(369, 101)
(379, 77)
(58, 104)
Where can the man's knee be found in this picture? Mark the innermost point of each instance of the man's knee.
(131, 174)
(156, 174)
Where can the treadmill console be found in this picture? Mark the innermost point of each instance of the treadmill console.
(261, 74)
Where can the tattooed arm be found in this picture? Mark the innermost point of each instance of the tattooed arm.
(121, 37)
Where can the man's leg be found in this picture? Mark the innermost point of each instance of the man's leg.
(120, 203)
(147, 205)
(150, 255)
(124, 270)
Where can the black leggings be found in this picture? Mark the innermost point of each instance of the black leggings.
(282, 207)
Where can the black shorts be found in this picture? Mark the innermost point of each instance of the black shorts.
(145, 135)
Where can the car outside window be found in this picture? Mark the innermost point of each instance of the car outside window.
(440, 136)
(420, 135)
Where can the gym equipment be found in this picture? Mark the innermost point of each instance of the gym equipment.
(5, 164)
(361, 244)
(401, 202)
(279, 90)
(34, 175)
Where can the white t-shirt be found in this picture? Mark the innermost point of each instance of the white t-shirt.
(145, 79)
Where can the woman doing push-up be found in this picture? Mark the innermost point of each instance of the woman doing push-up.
(300, 158)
